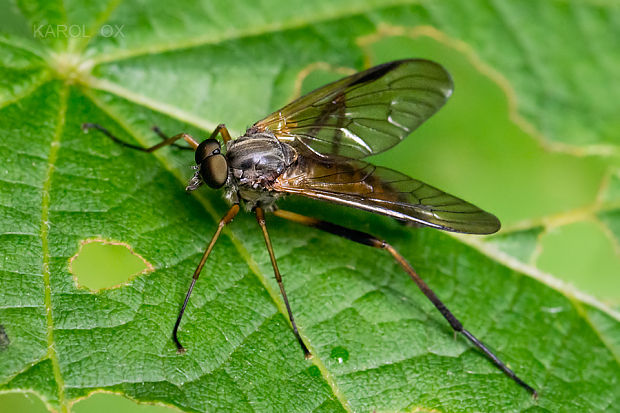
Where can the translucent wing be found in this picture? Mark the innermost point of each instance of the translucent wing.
(365, 113)
(384, 191)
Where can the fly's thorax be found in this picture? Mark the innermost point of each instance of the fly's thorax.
(256, 159)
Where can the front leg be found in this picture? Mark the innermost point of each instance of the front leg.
(222, 130)
(166, 140)
(226, 219)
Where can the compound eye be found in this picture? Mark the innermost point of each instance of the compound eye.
(206, 148)
(214, 170)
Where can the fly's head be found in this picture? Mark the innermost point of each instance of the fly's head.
(211, 165)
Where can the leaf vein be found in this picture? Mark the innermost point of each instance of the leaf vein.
(247, 31)
(45, 207)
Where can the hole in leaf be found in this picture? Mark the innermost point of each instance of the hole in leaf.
(585, 256)
(105, 264)
(107, 402)
(22, 402)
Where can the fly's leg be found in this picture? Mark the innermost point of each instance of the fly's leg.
(232, 212)
(167, 141)
(260, 217)
(222, 130)
(367, 239)
(176, 145)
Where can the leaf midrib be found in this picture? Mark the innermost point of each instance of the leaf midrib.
(45, 205)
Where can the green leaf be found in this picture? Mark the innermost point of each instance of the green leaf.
(549, 71)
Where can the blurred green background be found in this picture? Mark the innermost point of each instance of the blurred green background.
(471, 148)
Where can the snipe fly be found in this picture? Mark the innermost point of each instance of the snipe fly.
(314, 147)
